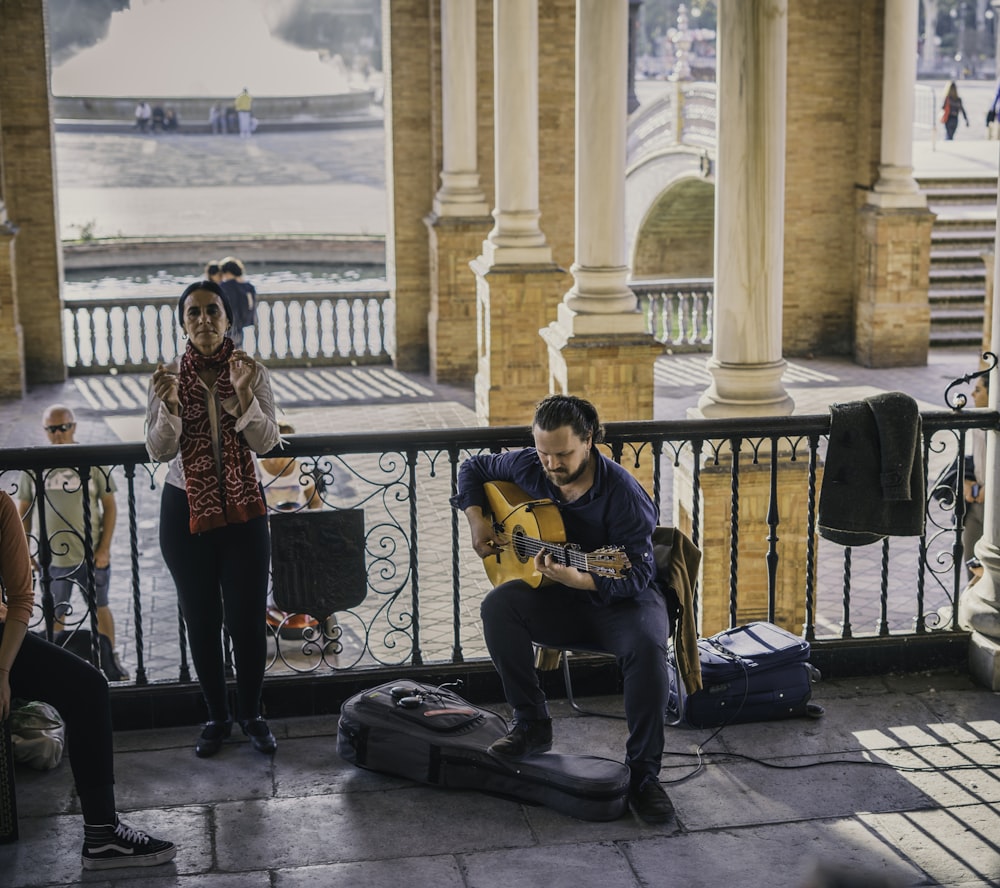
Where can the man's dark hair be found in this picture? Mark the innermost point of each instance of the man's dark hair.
(557, 411)
(233, 267)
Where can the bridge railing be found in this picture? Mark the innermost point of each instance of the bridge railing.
(685, 114)
(293, 329)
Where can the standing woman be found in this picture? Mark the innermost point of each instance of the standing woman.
(951, 108)
(208, 413)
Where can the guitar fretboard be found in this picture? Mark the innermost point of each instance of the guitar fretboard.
(530, 546)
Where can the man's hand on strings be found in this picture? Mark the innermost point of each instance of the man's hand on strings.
(485, 539)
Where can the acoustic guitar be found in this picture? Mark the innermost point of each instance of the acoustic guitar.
(529, 526)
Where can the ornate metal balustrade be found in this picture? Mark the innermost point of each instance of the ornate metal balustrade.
(293, 330)
(422, 584)
(678, 312)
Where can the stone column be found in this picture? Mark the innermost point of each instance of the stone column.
(896, 185)
(517, 281)
(979, 606)
(895, 225)
(516, 237)
(746, 363)
(598, 346)
(461, 215)
(459, 194)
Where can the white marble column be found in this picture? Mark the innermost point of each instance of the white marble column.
(460, 193)
(516, 238)
(979, 606)
(600, 300)
(746, 363)
(896, 186)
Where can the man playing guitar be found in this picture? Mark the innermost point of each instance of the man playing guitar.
(601, 504)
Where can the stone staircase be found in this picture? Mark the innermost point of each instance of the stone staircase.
(965, 230)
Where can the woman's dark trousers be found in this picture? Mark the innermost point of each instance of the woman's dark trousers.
(221, 576)
(47, 672)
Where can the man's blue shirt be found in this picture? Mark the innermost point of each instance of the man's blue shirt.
(616, 511)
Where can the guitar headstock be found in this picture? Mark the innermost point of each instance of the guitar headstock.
(611, 562)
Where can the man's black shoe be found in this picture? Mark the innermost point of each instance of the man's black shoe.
(524, 738)
(650, 801)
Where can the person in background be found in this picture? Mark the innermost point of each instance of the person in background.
(209, 411)
(242, 296)
(600, 504)
(65, 529)
(31, 668)
(213, 272)
(951, 108)
(216, 119)
(288, 487)
(143, 115)
(243, 103)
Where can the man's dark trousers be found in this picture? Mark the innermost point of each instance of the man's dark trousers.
(515, 616)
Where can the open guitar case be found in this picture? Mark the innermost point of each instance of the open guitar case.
(431, 735)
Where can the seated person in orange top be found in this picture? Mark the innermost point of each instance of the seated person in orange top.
(288, 488)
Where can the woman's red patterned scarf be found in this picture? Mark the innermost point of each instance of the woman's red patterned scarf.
(214, 502)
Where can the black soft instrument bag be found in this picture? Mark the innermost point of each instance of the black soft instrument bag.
(755, 672)
(432, 735)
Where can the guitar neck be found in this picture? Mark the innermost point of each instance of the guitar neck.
(563, 554)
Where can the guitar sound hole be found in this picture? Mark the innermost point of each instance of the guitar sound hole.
(521, 545)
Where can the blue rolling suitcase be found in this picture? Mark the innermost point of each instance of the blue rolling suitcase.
(430, 734)
(755, 672)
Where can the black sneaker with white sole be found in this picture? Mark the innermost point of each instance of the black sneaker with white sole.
(109, 846)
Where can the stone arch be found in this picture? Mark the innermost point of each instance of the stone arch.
(670, 216)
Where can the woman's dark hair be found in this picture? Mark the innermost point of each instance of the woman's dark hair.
(212, 287)
(557, 411)
(212, 268)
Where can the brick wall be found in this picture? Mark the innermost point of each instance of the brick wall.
(677, 239)
(410, 170)
(28, 186)
(832, 145)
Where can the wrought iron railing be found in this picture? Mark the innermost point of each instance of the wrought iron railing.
(678, 312)
(293, 330)
(422, 584)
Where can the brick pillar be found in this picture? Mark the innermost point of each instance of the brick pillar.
(28, 182)
(451, 323)
(514, 302)
(12, 383)
(714, 522)
(411, 118)
(892, 316)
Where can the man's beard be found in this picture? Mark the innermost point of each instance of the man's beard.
(561, 480)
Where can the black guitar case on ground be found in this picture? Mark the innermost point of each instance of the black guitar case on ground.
(431, 735)
(755, 672)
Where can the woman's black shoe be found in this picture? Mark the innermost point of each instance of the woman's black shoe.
(212, 735)
(260, 735)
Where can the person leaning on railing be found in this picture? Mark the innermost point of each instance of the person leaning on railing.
(208, 413)
(32, 668)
